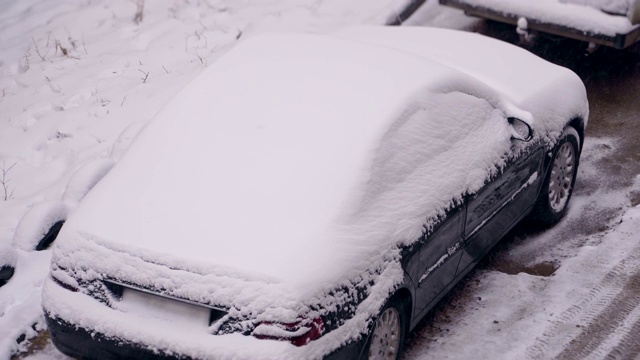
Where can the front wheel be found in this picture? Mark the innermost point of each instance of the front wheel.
(557, 189)
(387, 337)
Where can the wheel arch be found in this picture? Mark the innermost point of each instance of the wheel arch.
(404, 295)
(541, 214)
(578, 124)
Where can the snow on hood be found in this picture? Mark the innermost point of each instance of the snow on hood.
(281, 161)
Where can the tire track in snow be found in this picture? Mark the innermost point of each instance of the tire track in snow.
(624, 342)
(606, 303)
(607, 320)
(629, 345)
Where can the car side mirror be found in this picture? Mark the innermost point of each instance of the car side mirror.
(521, 130)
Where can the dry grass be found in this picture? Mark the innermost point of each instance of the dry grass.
(34, 345)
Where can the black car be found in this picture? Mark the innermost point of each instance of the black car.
(314, 197)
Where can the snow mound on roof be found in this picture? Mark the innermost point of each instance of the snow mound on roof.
(398, 182)
(268, 145)
(398, 192)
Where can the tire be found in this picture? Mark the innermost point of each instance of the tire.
(552, 203)
(6, 272)
(388, 333)
(40, 225)
(50, 236)
(8, 261)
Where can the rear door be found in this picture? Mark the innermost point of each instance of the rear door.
(433, 265)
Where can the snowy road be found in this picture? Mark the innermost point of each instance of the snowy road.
(569, 292)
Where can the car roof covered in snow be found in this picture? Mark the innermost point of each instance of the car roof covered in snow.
(276, 160)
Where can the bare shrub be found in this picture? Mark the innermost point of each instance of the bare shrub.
(4, 181)
(139, 12)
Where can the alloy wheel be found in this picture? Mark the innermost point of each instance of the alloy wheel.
(562, 174)
(385, 342)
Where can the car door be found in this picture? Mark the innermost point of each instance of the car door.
(502, 202)
(434, 260)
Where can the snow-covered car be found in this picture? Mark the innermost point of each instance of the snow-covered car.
(313, 196)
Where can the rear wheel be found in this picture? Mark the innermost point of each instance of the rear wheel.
(387, 337)
(557, 189)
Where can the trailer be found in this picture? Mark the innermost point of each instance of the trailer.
(610, 23)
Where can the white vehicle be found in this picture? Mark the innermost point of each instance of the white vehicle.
(314, 196)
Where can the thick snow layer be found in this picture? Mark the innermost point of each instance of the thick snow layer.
(311, 173)
(565, 13)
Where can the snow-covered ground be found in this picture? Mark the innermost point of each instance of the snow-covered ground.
(74, 75)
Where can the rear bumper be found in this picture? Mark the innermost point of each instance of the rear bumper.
(79, 343)
(91, 330)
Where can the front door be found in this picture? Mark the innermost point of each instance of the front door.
(493, 211)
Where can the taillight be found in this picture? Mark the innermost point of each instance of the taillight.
(296, 333)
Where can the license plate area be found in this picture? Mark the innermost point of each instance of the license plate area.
(176, 312)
